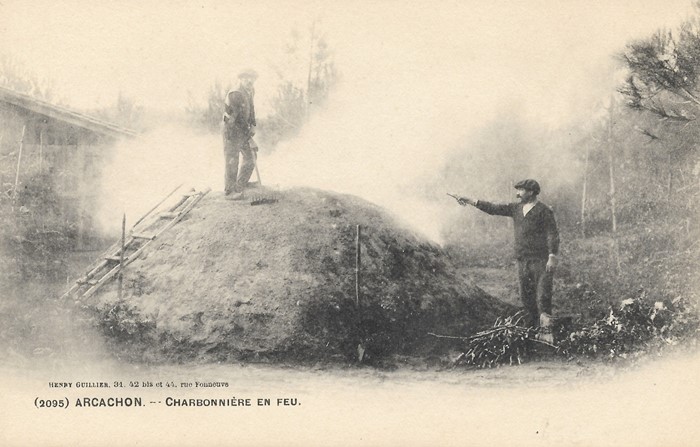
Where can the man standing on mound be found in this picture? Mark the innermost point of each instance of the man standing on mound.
(536, 247)
(238, 129)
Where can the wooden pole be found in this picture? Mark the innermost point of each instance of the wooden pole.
(358, 282)
(157, 205)
(19, 161)
(613, 210)
(121, 255)
(611, 166)
(358, 264)
(41, 149)
(583, 194)
(669, 186)
(312, 37)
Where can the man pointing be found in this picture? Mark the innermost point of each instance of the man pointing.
(536, 247)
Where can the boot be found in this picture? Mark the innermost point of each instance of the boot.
(545, 331)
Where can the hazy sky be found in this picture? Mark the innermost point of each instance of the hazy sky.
(417, 78)
(477, 51)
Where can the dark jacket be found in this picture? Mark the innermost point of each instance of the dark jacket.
(239, 114)
(536, 235)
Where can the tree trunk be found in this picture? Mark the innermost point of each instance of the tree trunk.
(19, 161)
(312, 37)
(613, 210)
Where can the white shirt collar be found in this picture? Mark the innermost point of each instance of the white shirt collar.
(528, 206)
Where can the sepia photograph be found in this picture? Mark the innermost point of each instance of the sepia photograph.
(357, 223)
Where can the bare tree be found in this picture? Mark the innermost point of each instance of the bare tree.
(16, 76)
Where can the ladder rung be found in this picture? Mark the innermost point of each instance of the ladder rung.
(90, 282)
(185, 204)
(143, 236)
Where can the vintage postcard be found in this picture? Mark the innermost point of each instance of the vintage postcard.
(349, 223)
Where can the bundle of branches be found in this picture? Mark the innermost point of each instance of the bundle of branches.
(507, 342)
(637, 327)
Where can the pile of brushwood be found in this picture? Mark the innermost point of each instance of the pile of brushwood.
(639, 326)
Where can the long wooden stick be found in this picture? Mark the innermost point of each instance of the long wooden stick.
(19, 160)
(41, 149)
(583, 194)
(157, 205)
(121, 256)
(358, 263)
(257, 172)
(358, 282)
(489, 332)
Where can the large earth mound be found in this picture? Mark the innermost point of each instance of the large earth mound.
(277, 282)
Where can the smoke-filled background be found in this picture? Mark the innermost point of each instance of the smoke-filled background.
(417, 85)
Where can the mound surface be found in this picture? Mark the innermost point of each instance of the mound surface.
(277, 281)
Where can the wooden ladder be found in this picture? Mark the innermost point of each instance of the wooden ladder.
(145, 231)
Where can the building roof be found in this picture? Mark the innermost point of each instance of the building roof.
(35, 105)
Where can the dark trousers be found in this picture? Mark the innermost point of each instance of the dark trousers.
(236, 181)
(535, 288)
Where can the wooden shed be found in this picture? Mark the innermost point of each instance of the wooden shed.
(40, 141)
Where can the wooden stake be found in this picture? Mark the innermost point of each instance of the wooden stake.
(669, 182)
(121, 255)
(358, 263)
(583, 194)
(41, 149)
(19, 161)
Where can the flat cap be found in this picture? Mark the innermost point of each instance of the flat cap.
(248, 73)
(528, 184)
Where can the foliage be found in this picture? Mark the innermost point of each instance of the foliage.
(306, 76)
(124, 323)
(664, 68)
(209, 118)
(638, 326)
(37, 227)
(288, 117)
(124, 112)
(14, 75)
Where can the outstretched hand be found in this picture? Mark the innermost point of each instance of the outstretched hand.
(461, 200)
(464, 201)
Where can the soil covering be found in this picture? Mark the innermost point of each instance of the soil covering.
(276, 281)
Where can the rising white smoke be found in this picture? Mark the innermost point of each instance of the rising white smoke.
(141, 171)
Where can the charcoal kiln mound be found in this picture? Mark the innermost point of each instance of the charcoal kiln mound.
(277, 282)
